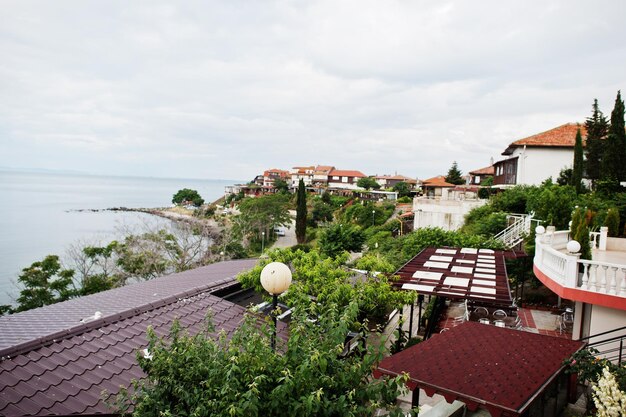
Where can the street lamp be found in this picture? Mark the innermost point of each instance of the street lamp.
(262, 242)
(373, 212)
(275, 279)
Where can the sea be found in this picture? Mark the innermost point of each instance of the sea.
(45, 213)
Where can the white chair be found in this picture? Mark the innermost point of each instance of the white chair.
(499, 314)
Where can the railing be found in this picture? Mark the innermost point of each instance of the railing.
(569, 271)
(611, 347)
(515, 232)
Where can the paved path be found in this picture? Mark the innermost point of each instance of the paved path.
(290, 234)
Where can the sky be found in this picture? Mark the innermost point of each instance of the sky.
(227, 89)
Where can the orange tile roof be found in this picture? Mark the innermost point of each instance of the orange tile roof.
(484, 171)
(562, 136)
(346, 173)
(439, 181)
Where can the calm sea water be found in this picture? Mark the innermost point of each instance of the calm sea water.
(37, 216)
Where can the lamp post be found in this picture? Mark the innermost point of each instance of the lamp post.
(262, 242)
(275, 279)
(373, 212)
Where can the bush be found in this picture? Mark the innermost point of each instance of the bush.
(612, 222)
(405, 199)
(187, 195)
(341, 237)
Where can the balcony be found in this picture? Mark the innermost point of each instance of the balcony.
(601, 281)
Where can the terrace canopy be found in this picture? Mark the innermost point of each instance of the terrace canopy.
(501, 370)
(458, 273)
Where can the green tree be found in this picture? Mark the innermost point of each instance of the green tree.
(367, 183)
(44, 283)
(597, 128)
(612, 222)
(281, 185)
(203, 375)
(341, 237)
(580, 231)
(403, 189)
(613, 167)
(301, 213)
(262, 214)
(187, 196)
(577, 170)
(455, 176)
(553, 204)
(565, 177)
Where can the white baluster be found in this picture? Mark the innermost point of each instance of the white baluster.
(622, 288)
(612, 287)
(602, 287)
(585, 276)
(594, 278)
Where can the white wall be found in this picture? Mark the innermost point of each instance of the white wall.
(535, 165)
(604, 319)
(447, 214)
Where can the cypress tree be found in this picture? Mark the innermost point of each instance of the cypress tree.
(615, 149)
(597, 128)
(301, 213)
(577, 171)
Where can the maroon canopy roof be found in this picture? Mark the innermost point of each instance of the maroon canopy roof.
(65, 370)
(482, 365)
(458, 273)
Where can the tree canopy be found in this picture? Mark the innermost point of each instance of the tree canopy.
(262, 214)
(403, 189)
(187, 196)
(367, 183)
(301, 213)
(597, 127)
(577, 170)
(455, 176)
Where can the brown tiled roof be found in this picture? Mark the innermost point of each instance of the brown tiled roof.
(65, 373)
(346, 173)
(482, 365)
(484, 171)
(323, 168)
(439, 181)
(562, 136)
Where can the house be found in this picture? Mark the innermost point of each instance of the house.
(477, 176)
(320, 175)
(532, 160)
(388, 181)
(302, 173)
(344, 179)
(273, 174)
(443, 204)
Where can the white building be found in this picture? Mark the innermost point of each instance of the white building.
(531, 160)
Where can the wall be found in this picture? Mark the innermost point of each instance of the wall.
(616, 244)
(447, 214)
(536, 164)
(604, 319)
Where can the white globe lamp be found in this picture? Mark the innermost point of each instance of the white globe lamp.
(573, 246)
(540, 230)
(275, 279)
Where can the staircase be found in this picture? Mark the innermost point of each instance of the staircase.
(519, 227)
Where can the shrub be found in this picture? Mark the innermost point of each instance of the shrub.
(612, 222)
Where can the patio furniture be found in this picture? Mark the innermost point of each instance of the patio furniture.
(499, 315)
(483, 321)
(481, 312)
(565, 320)
(499, 323)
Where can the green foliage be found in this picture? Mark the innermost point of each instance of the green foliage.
(588, 366)
(403, 189)
(487, 182)
(597, 128)
(405, 199)
(243, 376)
(367, 183)
(454, 175)
(331, 283)
(281, 186)
(565, 177)
(262, 214)
(301, 213)
(514, 200)
(188, 196)
(580, 231)
(338, 238)
(577, 170)
(612, 222)
(375, 262)
(368, 214)
(44, 283)
(489, 225)
(553, 204)
(98, 271)
(613, 168)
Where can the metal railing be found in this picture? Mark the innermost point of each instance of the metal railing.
(514, 234)
(612, 347)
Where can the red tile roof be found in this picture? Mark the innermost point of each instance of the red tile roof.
(346, 173)
(482, 365)
(439, 181)
(562, 136)
(65, 372)
(490, 170)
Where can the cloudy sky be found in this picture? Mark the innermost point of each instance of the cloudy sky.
(226, 89)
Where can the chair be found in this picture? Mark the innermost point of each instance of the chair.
(483, 321)
(481, 312)
(499, 314)
(499, 323)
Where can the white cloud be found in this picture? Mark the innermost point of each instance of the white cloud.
(227, 89)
